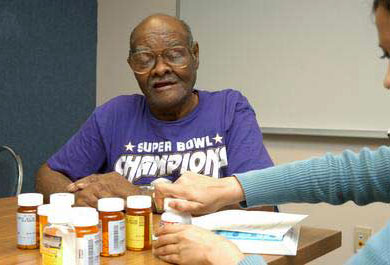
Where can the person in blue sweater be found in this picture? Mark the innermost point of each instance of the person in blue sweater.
(363, 178)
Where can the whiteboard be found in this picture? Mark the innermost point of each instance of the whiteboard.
(304, 65)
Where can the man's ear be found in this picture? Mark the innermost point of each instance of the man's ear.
(128, 60)
(195, 53)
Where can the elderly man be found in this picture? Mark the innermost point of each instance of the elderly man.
(134, 140)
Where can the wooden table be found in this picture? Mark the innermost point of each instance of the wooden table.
(313, 243)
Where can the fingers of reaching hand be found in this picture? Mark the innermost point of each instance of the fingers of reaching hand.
(167, 248)
(173, 258)
(170, 190)
(163, 241)
(164, 190)
(170, 229)
(187, 206)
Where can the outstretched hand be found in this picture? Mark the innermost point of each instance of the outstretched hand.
(188, 244)
(203, 194)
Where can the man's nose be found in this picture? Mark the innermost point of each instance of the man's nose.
(161, 68)
(386, 82)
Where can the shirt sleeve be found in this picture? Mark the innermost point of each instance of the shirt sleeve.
(245, 148)
(83, 155)
(335, 179)
(252, 260)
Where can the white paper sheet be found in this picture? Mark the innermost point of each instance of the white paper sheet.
(278, 233)
(261, 222)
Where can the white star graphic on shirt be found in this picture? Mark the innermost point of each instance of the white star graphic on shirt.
(129, 146)
(218, 139)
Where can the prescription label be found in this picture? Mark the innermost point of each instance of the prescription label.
(116, 237)
(135, 231)
(52, 250)
(88, 249)
(26, 227)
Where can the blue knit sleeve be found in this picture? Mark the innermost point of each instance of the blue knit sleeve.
(335, 179)
(252, 260)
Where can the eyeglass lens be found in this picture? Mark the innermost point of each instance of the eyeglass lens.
(144, 61)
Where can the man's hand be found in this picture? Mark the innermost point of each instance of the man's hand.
(188, 244)
(91, 188)
(203, 194)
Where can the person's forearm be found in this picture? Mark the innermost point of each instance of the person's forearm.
(235, 194)
(232, 193)
(268, 208)
(49, 181)
(361, 177)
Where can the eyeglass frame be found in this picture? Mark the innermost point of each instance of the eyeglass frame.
(161, 51)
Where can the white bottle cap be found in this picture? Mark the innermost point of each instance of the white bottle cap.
(111, 205)
(139, 202)
(84, 216)
(61, 215)
(63, 198)
(30, 199)
(167, 201)
(176, 218)
(44, 210)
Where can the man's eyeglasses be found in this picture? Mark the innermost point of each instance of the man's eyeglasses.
(144, 61)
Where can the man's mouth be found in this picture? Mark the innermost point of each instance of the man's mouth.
(163, 84)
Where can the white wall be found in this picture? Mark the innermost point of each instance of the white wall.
(116, 18)
(299, 62)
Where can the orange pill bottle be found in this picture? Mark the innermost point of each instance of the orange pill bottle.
(85, 221)
(43, 213)
(139, 223)
(112, 226)
(27, 220)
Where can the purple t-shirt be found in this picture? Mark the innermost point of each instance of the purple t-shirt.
(218, 138)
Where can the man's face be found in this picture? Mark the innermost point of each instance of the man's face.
(165, 86)
(382, 19)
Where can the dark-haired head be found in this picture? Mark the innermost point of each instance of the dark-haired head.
(384, 3)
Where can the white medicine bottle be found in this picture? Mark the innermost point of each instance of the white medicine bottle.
(172, 216)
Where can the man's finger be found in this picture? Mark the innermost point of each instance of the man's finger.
(82, 183)
(104, 194)
(71, 187)
(92, 200)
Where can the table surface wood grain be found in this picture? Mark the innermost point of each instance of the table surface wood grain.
(313, 243)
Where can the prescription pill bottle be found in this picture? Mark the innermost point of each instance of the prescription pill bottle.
(112, 226)
(43, 214)
(27, 220)
(139, 223)
(172, 216)
(86, 220)
(63, 198)
(59, 238)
